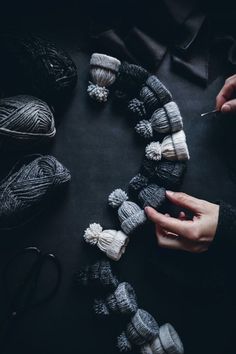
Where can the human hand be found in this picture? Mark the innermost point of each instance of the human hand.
(194, 235)
(226, 99)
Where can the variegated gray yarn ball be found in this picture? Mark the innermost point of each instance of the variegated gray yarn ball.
(26, 187)
(26, 119)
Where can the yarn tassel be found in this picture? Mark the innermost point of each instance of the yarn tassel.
(173, 147)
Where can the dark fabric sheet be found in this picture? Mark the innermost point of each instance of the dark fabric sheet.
(193, 292)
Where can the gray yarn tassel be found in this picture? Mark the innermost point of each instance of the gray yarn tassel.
(23, 190)
(26, 118)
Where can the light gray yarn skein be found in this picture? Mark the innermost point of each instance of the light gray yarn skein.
(24, 188)
(26, 118)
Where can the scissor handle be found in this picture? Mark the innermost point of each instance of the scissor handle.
(28, 288)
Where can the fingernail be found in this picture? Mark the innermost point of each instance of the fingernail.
(147, 209)
(226, 108)
(169, 193)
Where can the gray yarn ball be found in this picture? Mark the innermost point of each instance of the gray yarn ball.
(23, 190)
(26, 118)
(121, 301)
(141, 329)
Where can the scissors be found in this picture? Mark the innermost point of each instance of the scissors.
(24, 297)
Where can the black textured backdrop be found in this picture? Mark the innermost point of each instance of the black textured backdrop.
(100, 148)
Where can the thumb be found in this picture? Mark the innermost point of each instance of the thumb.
(185, 201)
(229, 107)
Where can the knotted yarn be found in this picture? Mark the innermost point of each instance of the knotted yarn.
(148, 194)
(113, 243)
(168, 174)
(103, 70)
(129, 213)
(25, 188)
(167, 342)
(163, 120)
(36, 66)
(141, 330)
(26, 118)
(122, 302)
(173, 147)
(130, 79)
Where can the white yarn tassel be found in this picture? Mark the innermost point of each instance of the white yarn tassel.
(111, 242)
(173, 147)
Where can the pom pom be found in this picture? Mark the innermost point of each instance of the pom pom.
(100, 308)
(153, 151)
(93, 233)
(123, 343)
(117, 197)
(138, 182)
(99, 94)
(137, 108)
(144, 128)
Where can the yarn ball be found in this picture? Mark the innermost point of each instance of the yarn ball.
(26, 118)
(23, 190)
(98, 276)
(130, 80)
(36, 66)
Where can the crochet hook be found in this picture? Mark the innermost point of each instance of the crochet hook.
(210, 113)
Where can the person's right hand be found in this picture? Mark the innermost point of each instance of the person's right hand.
(226, 99)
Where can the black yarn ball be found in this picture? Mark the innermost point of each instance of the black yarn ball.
(35, 66)
(25, 188)
(26, 119)
(130, 79)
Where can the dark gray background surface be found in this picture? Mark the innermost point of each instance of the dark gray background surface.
(102, 152)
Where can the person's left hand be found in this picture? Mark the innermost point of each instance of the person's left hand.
(194, 235)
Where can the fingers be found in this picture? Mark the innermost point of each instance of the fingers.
(186, 201)
(179, 243)
(229, 107)
(226, 93)
(183, 228)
